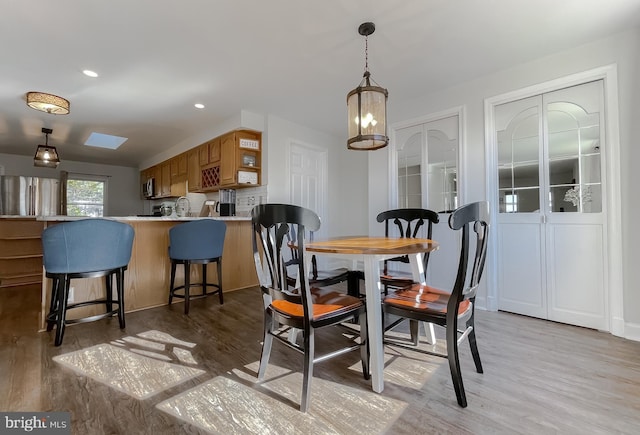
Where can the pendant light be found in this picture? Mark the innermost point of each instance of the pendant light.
(46, 156)
(367, 107)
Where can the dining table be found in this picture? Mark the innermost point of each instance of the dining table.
(371, 251)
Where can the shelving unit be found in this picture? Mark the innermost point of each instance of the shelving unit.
(20, 252)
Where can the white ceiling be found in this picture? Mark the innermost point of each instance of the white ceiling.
(294, 59)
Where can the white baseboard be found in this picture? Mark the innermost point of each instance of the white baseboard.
(631, 331)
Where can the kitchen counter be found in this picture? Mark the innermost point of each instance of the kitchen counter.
(142, 218)
(148, 275)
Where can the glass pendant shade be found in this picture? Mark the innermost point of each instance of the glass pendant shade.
(46, 155)
(367, 111)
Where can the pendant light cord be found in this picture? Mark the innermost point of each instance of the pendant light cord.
(366, 54)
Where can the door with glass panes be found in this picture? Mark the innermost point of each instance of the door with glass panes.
(427, 177)
(551, 222)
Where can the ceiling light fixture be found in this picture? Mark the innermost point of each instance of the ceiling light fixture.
(367, 107)
(89, 73)
(48, 103)
(46, 156)
(199, 106)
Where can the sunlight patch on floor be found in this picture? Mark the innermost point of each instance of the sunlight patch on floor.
(368, 412)
(224, 406)
(140, 373)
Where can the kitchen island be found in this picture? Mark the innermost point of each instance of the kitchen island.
(148, 275)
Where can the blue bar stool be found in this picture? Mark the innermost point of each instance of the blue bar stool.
(196, 242)
(88, 248)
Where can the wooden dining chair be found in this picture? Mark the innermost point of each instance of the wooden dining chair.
(303, 308)
(450, 309)
(317, 277)
(408, 222)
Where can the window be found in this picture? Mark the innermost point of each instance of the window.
(86, 195)
(511, 203)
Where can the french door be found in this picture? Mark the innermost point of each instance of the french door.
(427, 154)
(551, 216)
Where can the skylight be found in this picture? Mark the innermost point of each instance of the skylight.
(105, 141)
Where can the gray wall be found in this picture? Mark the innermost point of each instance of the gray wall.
(123, 193)
(622, 49)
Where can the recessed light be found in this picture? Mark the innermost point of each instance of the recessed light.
(199, 106)
(89, 73)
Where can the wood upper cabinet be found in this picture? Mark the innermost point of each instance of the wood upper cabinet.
(240, 159)
(228, 159)
(179, 165)
(231, 160)
(214, 150)
(203, 154)
(164, 186)
(178, 175)
(194, 170)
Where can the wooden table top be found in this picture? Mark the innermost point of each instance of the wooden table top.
(372, 245)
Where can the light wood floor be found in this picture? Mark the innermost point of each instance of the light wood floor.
(540, 377)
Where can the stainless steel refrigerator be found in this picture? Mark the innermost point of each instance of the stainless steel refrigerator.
(29, 196)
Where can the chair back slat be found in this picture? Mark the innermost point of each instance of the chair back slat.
(405, 219)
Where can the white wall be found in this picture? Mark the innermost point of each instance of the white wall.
(347, 203)
(621, 49)
(123, 193)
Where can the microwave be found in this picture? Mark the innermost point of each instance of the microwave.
(148, 188)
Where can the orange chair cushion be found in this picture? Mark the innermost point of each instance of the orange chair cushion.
(326, 302)
(424, 298)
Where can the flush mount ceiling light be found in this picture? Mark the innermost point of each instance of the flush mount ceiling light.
(367, 107)
(46, 156)
(48, 103)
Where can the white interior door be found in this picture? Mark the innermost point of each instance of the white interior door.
(308, 180)
(576, 243)
(521, 282)
(551, 220)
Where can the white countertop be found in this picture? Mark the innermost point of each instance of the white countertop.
(139, 218)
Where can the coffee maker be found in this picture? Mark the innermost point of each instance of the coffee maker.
(227, 202)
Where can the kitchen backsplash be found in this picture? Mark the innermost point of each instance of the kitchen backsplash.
(246, 198)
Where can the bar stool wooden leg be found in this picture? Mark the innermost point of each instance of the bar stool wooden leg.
(109, 292)
(187, 284)
(120, 286)
(204, 279)
(62, 310)
(220, 280)
(53, 305)
(173, 281)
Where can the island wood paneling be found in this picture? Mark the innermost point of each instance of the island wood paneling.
(148, 275)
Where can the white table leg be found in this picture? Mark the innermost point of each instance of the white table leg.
(374, 321)
(417, 268)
